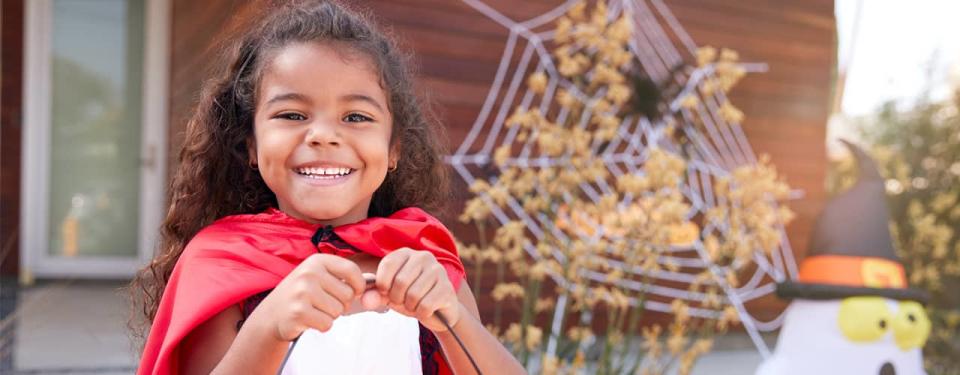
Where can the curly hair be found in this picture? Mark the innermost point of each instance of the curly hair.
(214, 178)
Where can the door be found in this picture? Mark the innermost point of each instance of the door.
(95, 120)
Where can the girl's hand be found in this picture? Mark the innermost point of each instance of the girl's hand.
(414, 284)
(315, 293)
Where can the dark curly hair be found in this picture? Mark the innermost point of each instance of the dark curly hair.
(214, 178)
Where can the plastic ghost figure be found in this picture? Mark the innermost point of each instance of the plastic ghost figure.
(851, 310)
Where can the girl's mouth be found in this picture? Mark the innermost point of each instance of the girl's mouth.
(324, 173)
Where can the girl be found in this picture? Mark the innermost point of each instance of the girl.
(300, 175)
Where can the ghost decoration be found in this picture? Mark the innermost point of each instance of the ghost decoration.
(851, 311)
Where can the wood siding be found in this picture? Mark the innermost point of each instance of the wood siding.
(11, 107)
(458, 49)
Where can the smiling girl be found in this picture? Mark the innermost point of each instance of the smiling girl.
(296, 240)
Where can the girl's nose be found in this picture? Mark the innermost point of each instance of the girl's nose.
(323, 132)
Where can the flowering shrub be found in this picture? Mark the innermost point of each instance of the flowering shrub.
(918, 151)
(630, 228)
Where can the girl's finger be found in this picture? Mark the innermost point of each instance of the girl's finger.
(403, 280)
(388, 267)
(430, 303)
(329, 304)
(371, 300)
(320, 321)
(348, 271)
(337, 288)
(311, 317)
(420, 287)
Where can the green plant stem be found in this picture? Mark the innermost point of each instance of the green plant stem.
(605, 365)
(633, 325)
(498, 308)
(529, 303)
(478, 265)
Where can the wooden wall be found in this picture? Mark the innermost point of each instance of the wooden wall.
(11, 101)
(458, 49)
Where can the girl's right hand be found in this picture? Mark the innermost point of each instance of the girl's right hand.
(315, 293)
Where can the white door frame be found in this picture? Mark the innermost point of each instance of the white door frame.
(35, 259)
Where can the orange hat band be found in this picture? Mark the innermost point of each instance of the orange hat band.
(855, 271)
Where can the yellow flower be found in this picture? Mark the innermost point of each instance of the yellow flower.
(689, 102)
(709, 86)
(579, 333)
(621, 58)
(620, 30)
(732, 279)
(731, 113)
(706, 55)
(606, 74)
(632, 183)
(491, 254)
(577, 12)
(618, 94)
(507, 290)
(475, 210)
(684, 234)
(566, 99)
(544, 304)
(562, 32)
(479, 186)
(676, 342)
(534, 337)
(569, 67)
(728, 317)
(599, 16)
(651, 336)
(729, 55)
(469, 252)
(517, 118)
(501, 155)
(550, 365)
(537, 82)
(712, 245)
(562, 52)
(550, 144)
(607, 122)
(601, 106)
(585, 33)
(513, 333)
(681, 311)
(538, 271)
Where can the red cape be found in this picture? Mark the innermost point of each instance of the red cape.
(242, 255)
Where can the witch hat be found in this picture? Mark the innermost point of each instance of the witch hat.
(851, 252)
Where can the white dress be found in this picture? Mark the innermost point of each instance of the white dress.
(368, 342)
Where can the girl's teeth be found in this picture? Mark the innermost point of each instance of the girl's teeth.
(324, 172)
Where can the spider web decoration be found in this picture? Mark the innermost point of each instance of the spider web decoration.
(717, 147)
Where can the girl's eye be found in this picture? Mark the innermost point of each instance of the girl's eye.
(291, 116)
(356, 117)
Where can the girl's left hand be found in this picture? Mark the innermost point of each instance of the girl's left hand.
(414, 284)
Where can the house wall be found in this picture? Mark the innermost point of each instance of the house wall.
(11, 88)
(458, 50)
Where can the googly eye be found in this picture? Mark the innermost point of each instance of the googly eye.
(911, 326)
(864, 319)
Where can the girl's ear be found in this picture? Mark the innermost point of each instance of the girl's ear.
(252, 152)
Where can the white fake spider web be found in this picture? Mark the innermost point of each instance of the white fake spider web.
(715, 153)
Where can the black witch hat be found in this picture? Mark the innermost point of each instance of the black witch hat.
(851, 252)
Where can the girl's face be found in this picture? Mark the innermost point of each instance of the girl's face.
(322, 132)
